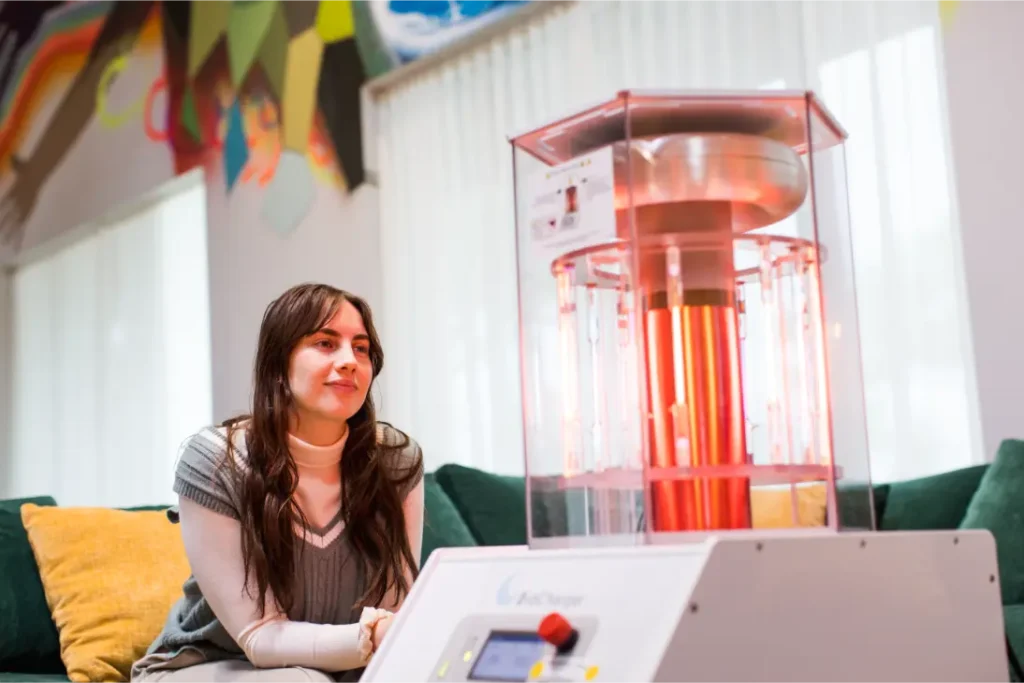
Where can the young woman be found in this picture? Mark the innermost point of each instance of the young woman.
(303, 521)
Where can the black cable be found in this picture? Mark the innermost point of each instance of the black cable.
(1014, 662)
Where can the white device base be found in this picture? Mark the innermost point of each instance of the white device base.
(758, 606)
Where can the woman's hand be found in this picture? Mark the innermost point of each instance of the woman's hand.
(381, 629)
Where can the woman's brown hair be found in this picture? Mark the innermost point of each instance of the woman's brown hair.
(372, 487)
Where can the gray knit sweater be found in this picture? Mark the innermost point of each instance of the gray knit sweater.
(328, 579)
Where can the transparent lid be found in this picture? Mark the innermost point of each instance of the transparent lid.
(688, 320)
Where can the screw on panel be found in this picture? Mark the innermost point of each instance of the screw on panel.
(693, 608)
(863, 543)
(956, 540)
(759, 547)
(991, 578)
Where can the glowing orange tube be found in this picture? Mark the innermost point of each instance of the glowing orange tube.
(706, 347)
(710, 345)
(674, 504)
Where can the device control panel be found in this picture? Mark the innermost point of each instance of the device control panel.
(512, 614)
(519, 647)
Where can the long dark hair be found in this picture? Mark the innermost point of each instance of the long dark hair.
(371, 491)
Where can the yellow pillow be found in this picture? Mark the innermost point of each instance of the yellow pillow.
(110, 578)
(772, 508)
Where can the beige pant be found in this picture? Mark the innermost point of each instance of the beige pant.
(235, 670)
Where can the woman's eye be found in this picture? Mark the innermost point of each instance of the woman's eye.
(364, 350)
(326, 344)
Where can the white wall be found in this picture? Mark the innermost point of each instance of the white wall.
(337, 243)
(984, 53)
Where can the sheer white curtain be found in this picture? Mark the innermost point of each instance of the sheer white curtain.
(111, 357)
(447, 239)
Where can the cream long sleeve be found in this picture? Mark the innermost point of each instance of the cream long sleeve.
(274, 640)
(213, 543)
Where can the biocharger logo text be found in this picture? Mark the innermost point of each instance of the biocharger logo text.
(511, 595)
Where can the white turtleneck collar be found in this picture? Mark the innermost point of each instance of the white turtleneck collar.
(308, 455)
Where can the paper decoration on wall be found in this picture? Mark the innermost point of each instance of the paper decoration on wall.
(334, 21)
(291, 43)
(341, 77)
(189, 116)
(290, 194)
(254, 34)
(273, 51)
(286, 41)
(301, 16)
(947, 12)
(298, 103)
(209, 21)
(236, 151)
(248, 25)
(105, 115)
(263, 88)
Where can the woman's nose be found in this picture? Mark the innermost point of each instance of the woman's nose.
(345, 357)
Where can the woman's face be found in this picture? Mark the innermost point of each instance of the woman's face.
(330, 372)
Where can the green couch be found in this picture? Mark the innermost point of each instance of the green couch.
(467, 507)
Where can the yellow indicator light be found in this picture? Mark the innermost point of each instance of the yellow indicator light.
(442, 670)
(536, 670)
(467, 655)
(591, 673)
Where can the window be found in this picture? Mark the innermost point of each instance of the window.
(111, 355)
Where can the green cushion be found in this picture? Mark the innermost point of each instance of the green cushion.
(443, 526)
(999, 507)
(936, 502)
(854, 502)
(28, 637)
(494, 506)
(28, 678)
(1013, 616)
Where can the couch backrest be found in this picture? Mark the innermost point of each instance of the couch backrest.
(936, 502)
(494, 506)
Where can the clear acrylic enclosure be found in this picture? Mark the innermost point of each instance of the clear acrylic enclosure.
(688, 322)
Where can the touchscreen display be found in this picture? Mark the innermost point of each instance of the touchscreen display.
(507, 656)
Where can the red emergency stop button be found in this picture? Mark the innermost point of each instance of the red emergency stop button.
(556, 629)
